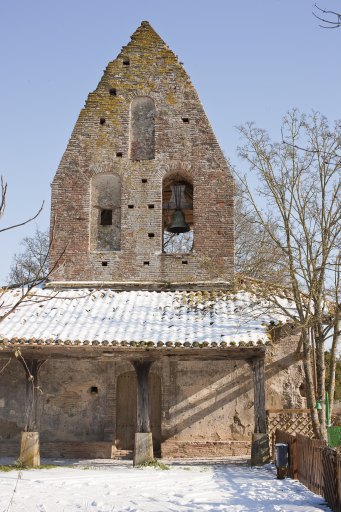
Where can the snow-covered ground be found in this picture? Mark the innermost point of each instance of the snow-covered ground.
(107, 487)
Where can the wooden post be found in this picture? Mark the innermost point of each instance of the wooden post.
(29, 447)
(259, 395)
(142, 373)
(32, 367)
(143, 448)
(260, 452)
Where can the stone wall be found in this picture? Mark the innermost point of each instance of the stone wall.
(206, 407)
(105, 141)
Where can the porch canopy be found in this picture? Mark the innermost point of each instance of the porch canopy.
(140, 326)
(111, 321)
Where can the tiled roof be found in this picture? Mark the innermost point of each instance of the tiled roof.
(107, 317)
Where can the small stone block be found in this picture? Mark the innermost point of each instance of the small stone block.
(260, 452)
(29, 449)
(143, 449)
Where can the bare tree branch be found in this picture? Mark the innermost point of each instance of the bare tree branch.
(331, 23)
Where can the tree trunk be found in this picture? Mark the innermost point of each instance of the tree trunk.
(321, 376)
(332, 368)
(308, 371)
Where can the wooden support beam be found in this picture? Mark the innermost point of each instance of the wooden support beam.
(142, 372)
(32, 367)
(258, 374)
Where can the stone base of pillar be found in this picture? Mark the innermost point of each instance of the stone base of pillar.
(260, 452)
(29, 449)
(143, 449)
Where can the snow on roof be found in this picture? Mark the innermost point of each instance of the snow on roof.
(104, 316)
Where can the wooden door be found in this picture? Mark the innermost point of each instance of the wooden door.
(126, 410)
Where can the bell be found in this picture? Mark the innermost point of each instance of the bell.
(178, 224)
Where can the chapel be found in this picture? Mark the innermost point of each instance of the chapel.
(142, 341)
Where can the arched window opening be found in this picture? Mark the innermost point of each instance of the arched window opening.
(142, 129)
(105, 222)
(177, 207)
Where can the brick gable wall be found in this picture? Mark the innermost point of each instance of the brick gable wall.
(100, 144)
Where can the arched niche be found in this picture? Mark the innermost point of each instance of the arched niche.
(177, 194)
(105, 222)
(142, 128)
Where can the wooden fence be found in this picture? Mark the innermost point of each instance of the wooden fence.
(314, 464)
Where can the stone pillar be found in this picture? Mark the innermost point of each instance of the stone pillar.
(260, 453)
(143, 449)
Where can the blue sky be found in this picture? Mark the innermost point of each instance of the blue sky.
(249, 60)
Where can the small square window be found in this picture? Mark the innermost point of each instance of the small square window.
(112, 91)
(102, 120)
(119, 154)
(126, 61)
(106, 217)
(185, 119)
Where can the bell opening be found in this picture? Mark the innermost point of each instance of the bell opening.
(177, 215)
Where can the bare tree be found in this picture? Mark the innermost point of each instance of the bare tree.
(178, 243)
(256, 255)
(33, 275)
(31, 262)
(299, 190)
(330, 19)
(3, 206)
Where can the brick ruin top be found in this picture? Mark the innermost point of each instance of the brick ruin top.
(142, 148)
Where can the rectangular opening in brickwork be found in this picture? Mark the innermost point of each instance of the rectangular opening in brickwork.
(146, 263)
(112, 91)
(151, 235)
(150, 206)
(102, 120)
(185, 119)
(106, 217)
(126, 61)
(104, 263)
(184, 262)
(144, 180)
(130, 206)
(119, 154)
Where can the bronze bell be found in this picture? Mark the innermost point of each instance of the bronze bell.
(178, 224)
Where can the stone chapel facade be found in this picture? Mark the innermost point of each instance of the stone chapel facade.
(119, 300)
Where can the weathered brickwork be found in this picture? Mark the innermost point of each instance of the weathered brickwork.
(106, 139)
(206, 408)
